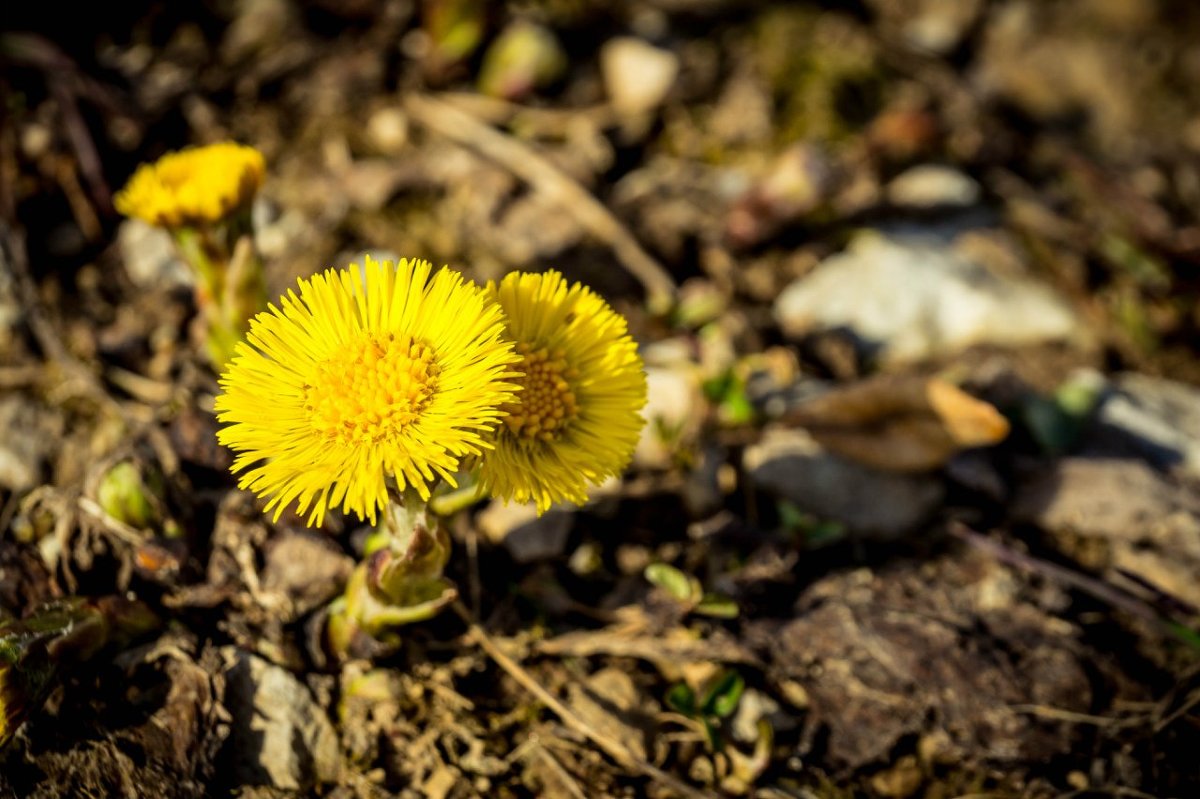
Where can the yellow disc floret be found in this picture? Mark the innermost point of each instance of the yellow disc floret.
(371, 389)
(546, 404)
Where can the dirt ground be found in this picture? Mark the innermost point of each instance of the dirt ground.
(917, 508)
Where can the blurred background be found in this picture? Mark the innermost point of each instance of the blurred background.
(903, 272)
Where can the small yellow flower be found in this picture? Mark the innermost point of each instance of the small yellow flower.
(576, 420)
(366, 375)
(193, 186)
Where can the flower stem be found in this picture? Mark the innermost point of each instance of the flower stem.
(399, 581)
(450, 503)
(230, 287)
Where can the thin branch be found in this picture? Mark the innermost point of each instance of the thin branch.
(525, 163)
(610, 746)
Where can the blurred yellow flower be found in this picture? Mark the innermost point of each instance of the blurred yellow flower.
(366, 375)
(576, 420)
(194, 185)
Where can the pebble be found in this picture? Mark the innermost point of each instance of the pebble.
(932, 186)
(791, 465)
(1152, 418)
(673, 411)
(527, 537)
(150, 257)
(637, 75)
(281, 737)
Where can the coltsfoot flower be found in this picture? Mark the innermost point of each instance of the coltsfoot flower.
(576, 420)
(366, 375)
(193, 186)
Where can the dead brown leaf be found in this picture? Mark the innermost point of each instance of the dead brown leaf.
(904, 424)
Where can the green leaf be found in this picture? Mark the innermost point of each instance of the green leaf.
(737, 409)
(681, 699)
(717, 606)
(679, 585)
(717, 388)
(722, 697)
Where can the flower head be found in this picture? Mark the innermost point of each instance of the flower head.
(576, 420)
(194, 185)
(365, 375)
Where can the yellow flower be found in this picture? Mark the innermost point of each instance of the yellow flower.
(194, 185)
(366, 375)
(576, 419)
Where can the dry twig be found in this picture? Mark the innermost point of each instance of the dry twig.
(465, 129)
(610, 746)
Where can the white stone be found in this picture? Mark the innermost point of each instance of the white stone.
(932, 186)
(916, 300)
(387, 129)
(151, 260)
(672, 413)
(637, 75)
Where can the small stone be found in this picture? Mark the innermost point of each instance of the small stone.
(1145, 523)
(36, 139)
(1152, 418)
(281, 737)
(932, 186)
(673, 409)
(150, 258)
(527, 536)
(1102, 497)
(637, 75)
(790, 464)
(387, 130)
(939, 26)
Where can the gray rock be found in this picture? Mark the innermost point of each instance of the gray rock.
(150, 258)
(280, 736)
(1152, 418)
(1147, 522)
(1115, 499)
(791, 465)
(928, 647)
(29, 435)
(912, 300)
(527, 536)
(387, 130)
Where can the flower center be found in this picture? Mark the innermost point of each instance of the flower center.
(371, 389)
(546, 403)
